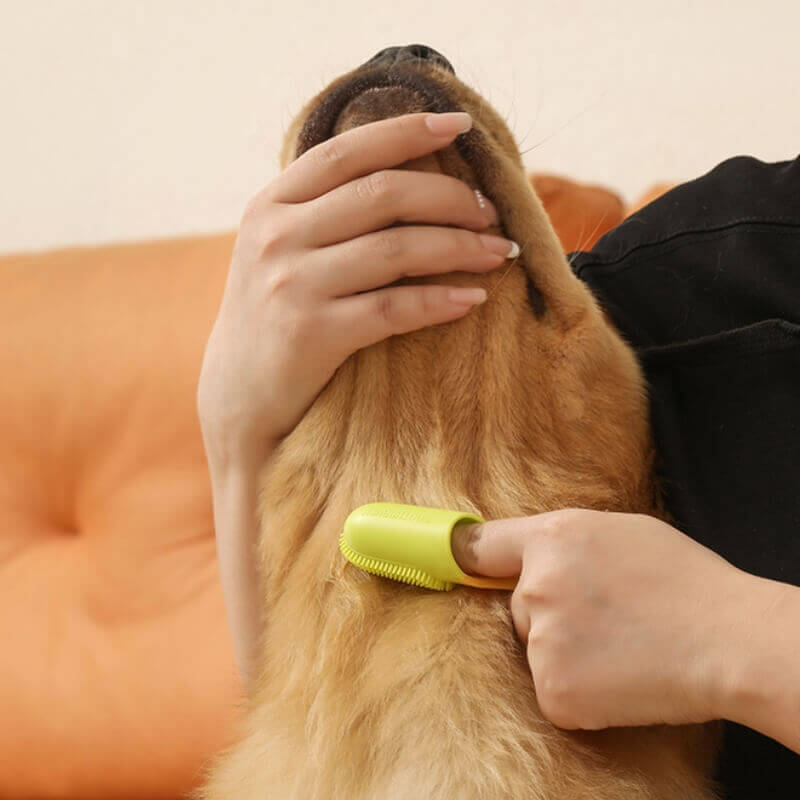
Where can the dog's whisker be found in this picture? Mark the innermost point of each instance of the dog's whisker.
(569, 121)
(538, 111)
(523, 248)
(591, 235)
(503, 277)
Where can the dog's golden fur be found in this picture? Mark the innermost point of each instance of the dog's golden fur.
(373, 689)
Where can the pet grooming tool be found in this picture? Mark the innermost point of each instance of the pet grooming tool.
(410, 544)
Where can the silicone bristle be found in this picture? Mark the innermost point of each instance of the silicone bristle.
(397, 572)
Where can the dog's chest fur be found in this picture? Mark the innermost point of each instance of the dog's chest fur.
(372, 688)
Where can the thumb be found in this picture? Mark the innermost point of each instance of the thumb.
(493, 548)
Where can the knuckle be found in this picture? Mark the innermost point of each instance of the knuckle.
(274, 237)
(329, 153)
(545, 582)
(253, 210)
(429, 299)
(412, 124)
(460, 242)
(556, 713)
(260, 204)
(279, 279)
(529, 591)
(385, 308)
(467, 241)
(390, 244)
(560, 522)
(556, 698)
(374, 187)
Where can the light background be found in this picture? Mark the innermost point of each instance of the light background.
(124, 120)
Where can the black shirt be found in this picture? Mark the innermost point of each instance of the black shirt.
(704, 283)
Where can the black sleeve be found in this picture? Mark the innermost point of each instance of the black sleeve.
(704, 283)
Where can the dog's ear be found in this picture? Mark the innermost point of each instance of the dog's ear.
(580, 213)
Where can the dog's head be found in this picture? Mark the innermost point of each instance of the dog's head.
(416, 78)
(532, 400)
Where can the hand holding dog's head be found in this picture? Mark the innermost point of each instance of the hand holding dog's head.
(414, 79)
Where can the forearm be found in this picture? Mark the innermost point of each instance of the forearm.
(762, 688)
(235, 492)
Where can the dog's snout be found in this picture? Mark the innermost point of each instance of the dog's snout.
(410, 52)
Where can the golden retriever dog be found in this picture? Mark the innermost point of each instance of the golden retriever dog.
(371, 689)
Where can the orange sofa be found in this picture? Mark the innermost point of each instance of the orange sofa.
(117, 677)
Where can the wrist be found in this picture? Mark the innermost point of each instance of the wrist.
(760, 686)
(227, 456)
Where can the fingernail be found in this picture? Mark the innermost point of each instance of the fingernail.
(449, 123)
(466, 297)
(497, 244)
(488, 208)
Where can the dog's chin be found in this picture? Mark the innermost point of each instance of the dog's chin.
(371, 93)
(377, 103)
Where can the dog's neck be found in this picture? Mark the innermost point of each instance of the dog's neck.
(491, 414)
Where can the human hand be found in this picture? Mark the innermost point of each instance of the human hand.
(312, 251)
(626, 620)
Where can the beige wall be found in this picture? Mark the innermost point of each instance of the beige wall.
(124, 120)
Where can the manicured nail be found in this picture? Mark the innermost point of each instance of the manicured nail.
(488, 208)
(497, 244)
(466, 297)
(449, 123)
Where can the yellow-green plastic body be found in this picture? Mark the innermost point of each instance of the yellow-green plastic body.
(410, 544)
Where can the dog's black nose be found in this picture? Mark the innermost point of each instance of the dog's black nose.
(411, 52)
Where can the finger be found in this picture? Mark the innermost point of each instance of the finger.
(359, 151)
(383, 198)
(495, 548)
(364, 319)
(382, 257)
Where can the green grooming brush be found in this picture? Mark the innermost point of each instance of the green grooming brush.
(410, 544)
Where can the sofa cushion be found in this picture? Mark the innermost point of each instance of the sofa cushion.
(581, 213)
(117, 671)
